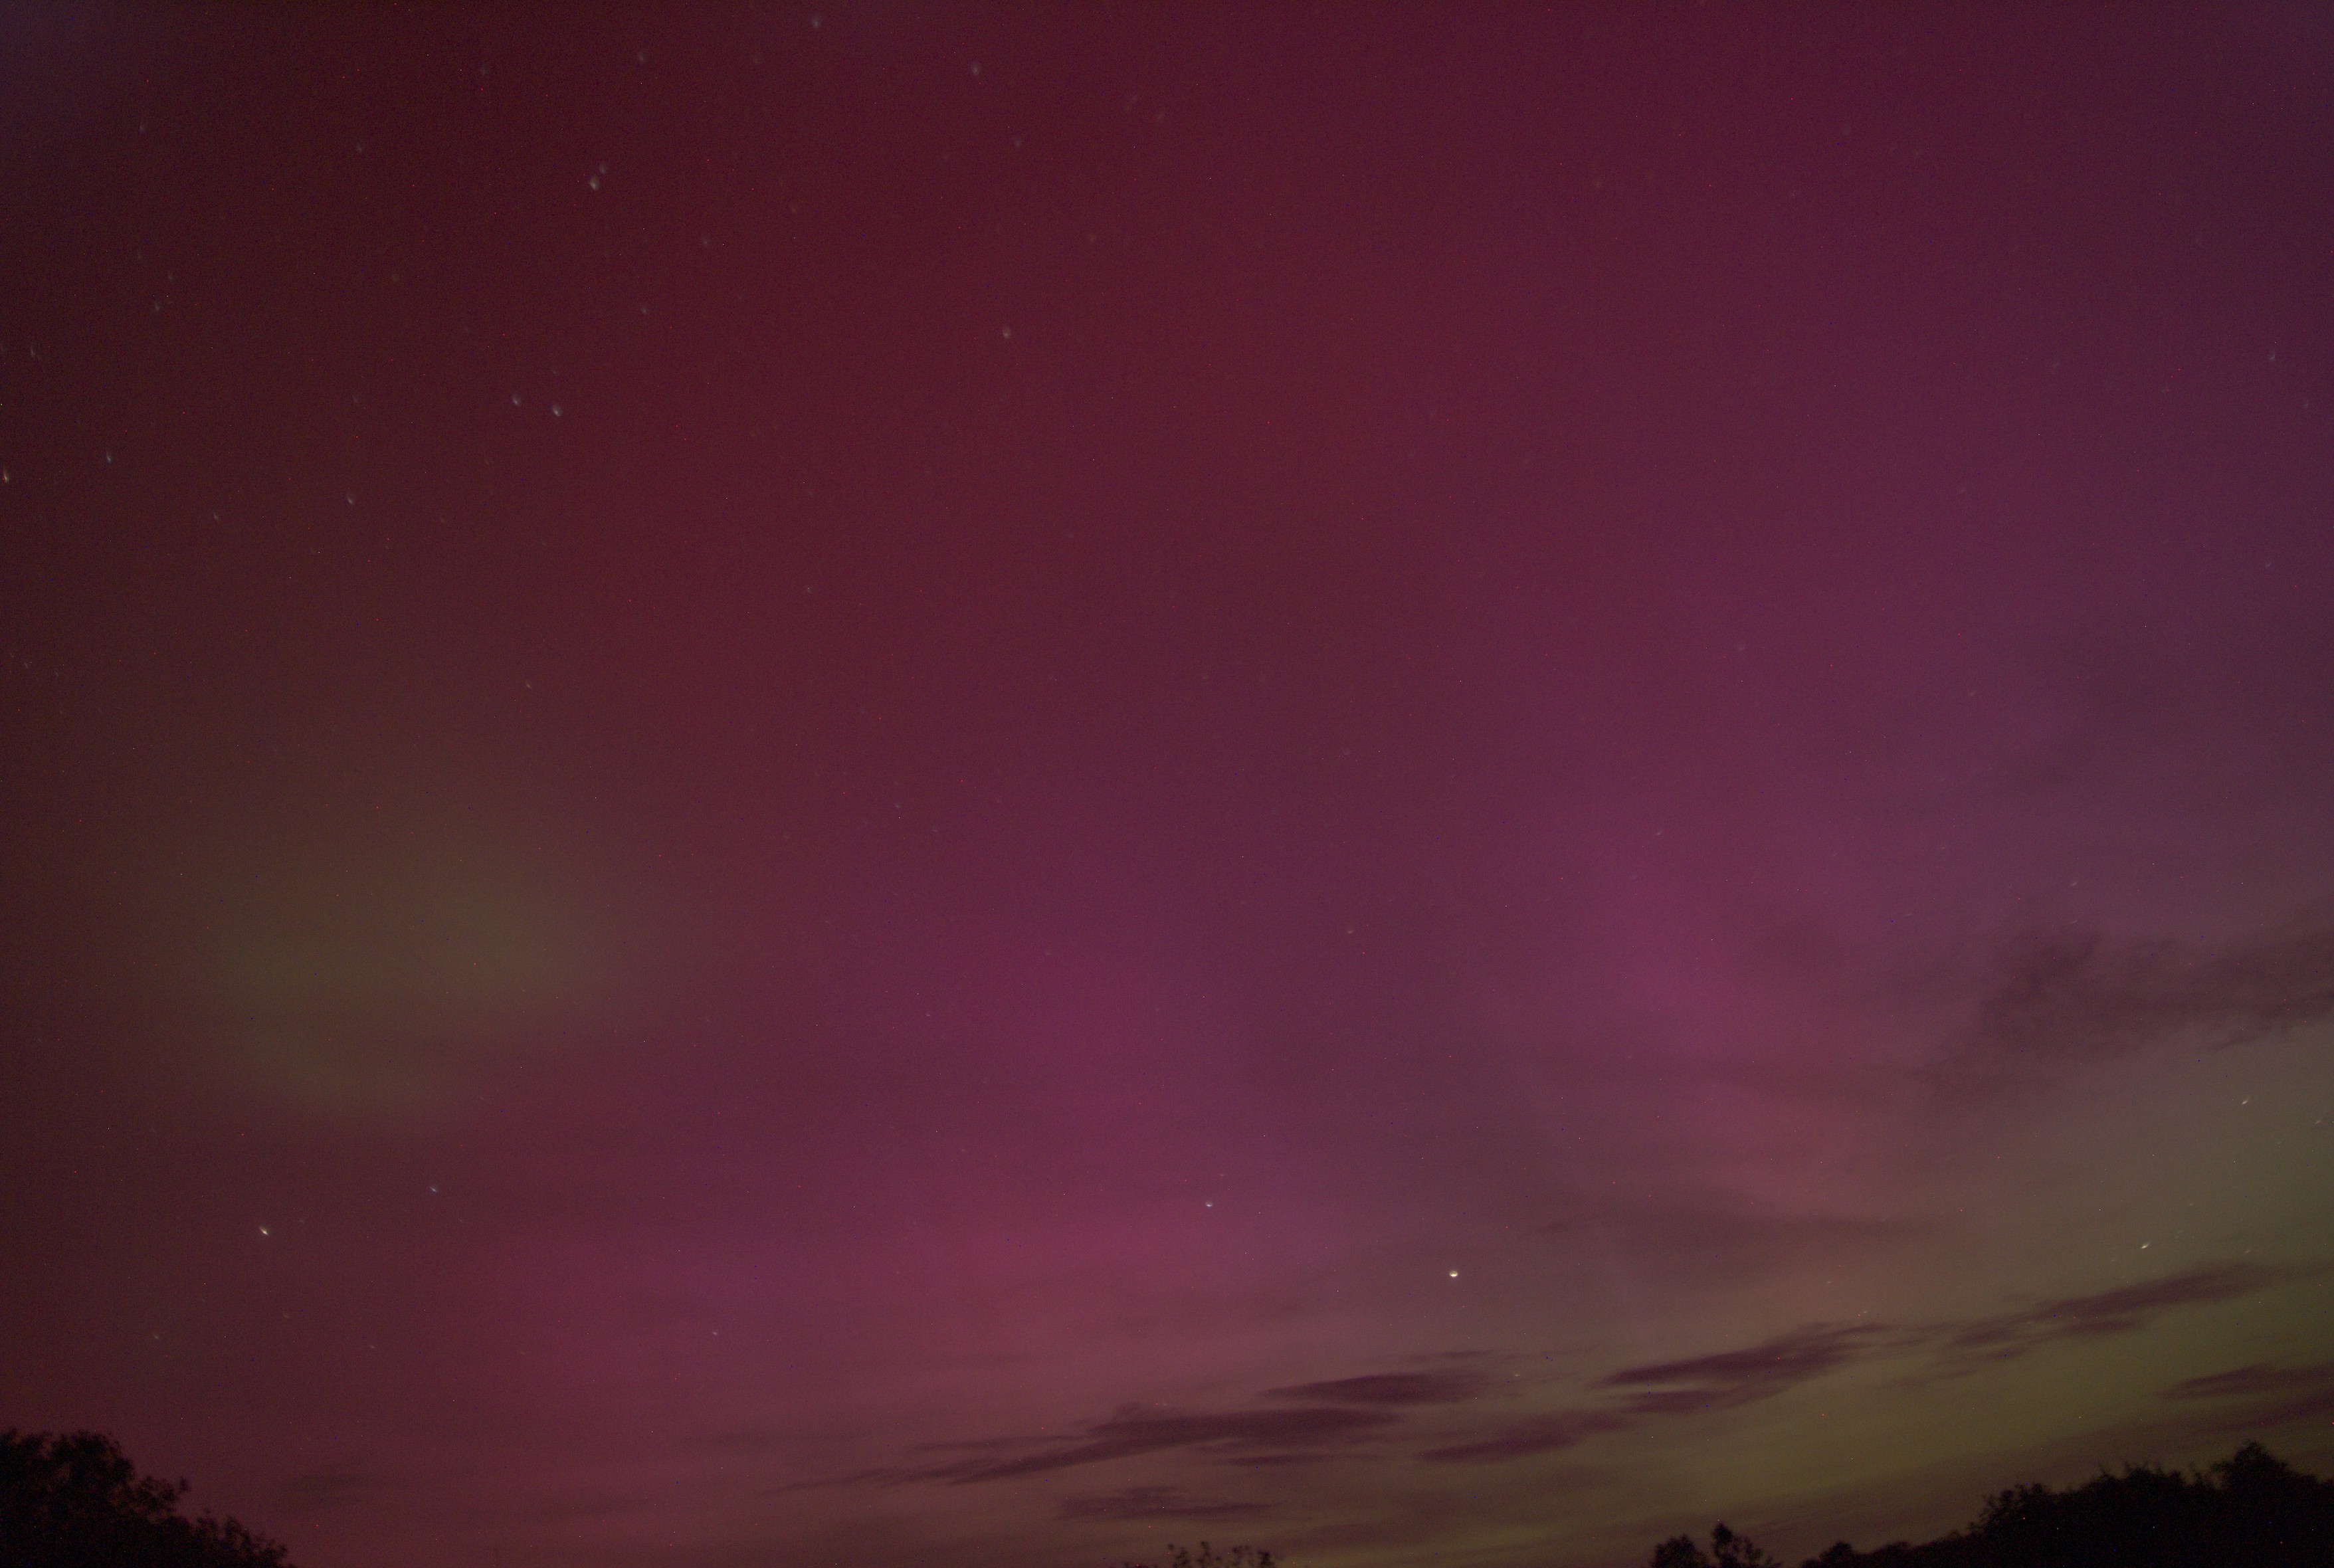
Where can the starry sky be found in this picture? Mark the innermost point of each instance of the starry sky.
(877, 784)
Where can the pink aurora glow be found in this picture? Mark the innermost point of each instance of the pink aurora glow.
(1419, 785)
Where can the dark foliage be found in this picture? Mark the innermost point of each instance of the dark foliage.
(2252, 1510)
(1207, 1556)
(1727, 1550)
(75, 1501)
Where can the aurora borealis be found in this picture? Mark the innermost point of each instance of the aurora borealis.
(873, 784)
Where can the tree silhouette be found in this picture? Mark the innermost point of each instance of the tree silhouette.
(1207, 1556)
(75, 1501)
(2252, 1510)
(1727, 1550)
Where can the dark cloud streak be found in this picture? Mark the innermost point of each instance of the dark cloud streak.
(1741, 1377)
(1728, 1379)
(2123, 1310)
(1391, 1389)
(1155, 1502)
(2062, 1001)
(1521, 1439)
(2272, 1396)
(1133, 1432)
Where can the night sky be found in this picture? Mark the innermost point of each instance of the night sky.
(889, 785)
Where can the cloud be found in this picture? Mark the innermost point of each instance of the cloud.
(2123, 1310)
(1344, 1414)
(1155, 1502)
(1678, 1387)
(1731, 1377)
(1133, 1430)
(1390, 1388)
(2273, 1395)
(1538, 1435)
(2260, 1378)
(2065, 1000)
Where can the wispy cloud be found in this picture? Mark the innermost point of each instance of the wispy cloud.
(1134, 1430)
(2063, 1000)
(1726, 1379)
(1391, 1389)
(2260, 1378)
(2261, 1395)
(1689, 1386)
(1730, 1378)
(1538, 1434)
(2123, 1310)
(1348, 1415)
(1155, 1502)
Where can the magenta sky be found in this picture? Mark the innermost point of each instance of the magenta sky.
(889, 786)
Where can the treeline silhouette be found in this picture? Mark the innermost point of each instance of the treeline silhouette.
(1207, 1556)
(2252, 1510)
(75, 1501)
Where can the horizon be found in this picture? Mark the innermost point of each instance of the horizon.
(884, 784)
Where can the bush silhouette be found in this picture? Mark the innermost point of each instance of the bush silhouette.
(2252, 1510)
(1727, 1550)
(1207, 1556)
(75, 1501)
